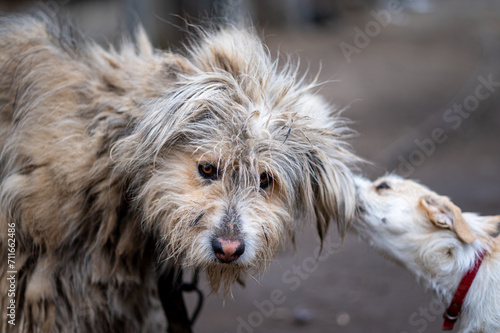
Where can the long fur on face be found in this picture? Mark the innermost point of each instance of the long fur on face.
(100, 166)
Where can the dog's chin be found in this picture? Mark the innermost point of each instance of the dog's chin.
(363, 224)
(222, 276)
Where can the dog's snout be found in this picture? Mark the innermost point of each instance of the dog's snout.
(227, 250)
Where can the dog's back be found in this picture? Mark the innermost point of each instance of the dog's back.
(63, 101)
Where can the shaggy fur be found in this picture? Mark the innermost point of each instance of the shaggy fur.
(431, 237)
(100, 168)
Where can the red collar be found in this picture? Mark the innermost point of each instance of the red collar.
(453, 311)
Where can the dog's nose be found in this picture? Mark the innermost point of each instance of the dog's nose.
(227, 250)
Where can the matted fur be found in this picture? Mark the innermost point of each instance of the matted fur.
(99, 168)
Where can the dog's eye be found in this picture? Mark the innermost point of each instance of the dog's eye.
(265, 180)
(382, 186)
(208, 171)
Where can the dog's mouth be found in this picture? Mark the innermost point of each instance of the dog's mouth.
(360, 210)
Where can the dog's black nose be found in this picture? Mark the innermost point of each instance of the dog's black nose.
(227, 250)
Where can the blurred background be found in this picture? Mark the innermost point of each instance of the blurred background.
(420, 79)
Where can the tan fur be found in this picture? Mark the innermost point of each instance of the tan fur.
(444, 214)
(99, 168)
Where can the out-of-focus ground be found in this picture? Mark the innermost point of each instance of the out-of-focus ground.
(402, 83)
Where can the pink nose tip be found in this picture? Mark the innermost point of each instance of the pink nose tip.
(227, 250)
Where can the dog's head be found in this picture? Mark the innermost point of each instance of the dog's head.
(409, 223)
(233, 156)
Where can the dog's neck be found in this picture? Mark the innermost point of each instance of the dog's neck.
(450, 265)
(458, 260)
(459, 256)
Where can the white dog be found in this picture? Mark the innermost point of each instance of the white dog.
(433, 239)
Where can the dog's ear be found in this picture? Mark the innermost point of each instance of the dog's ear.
(444, 214)
(334, 197)
(173, 64)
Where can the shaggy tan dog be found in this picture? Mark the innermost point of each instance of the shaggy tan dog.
(113, 160)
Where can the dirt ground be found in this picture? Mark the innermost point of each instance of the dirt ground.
(406, 82)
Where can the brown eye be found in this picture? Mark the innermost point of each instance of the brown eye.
(265, 180)
(208, 171)
(382, 186)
